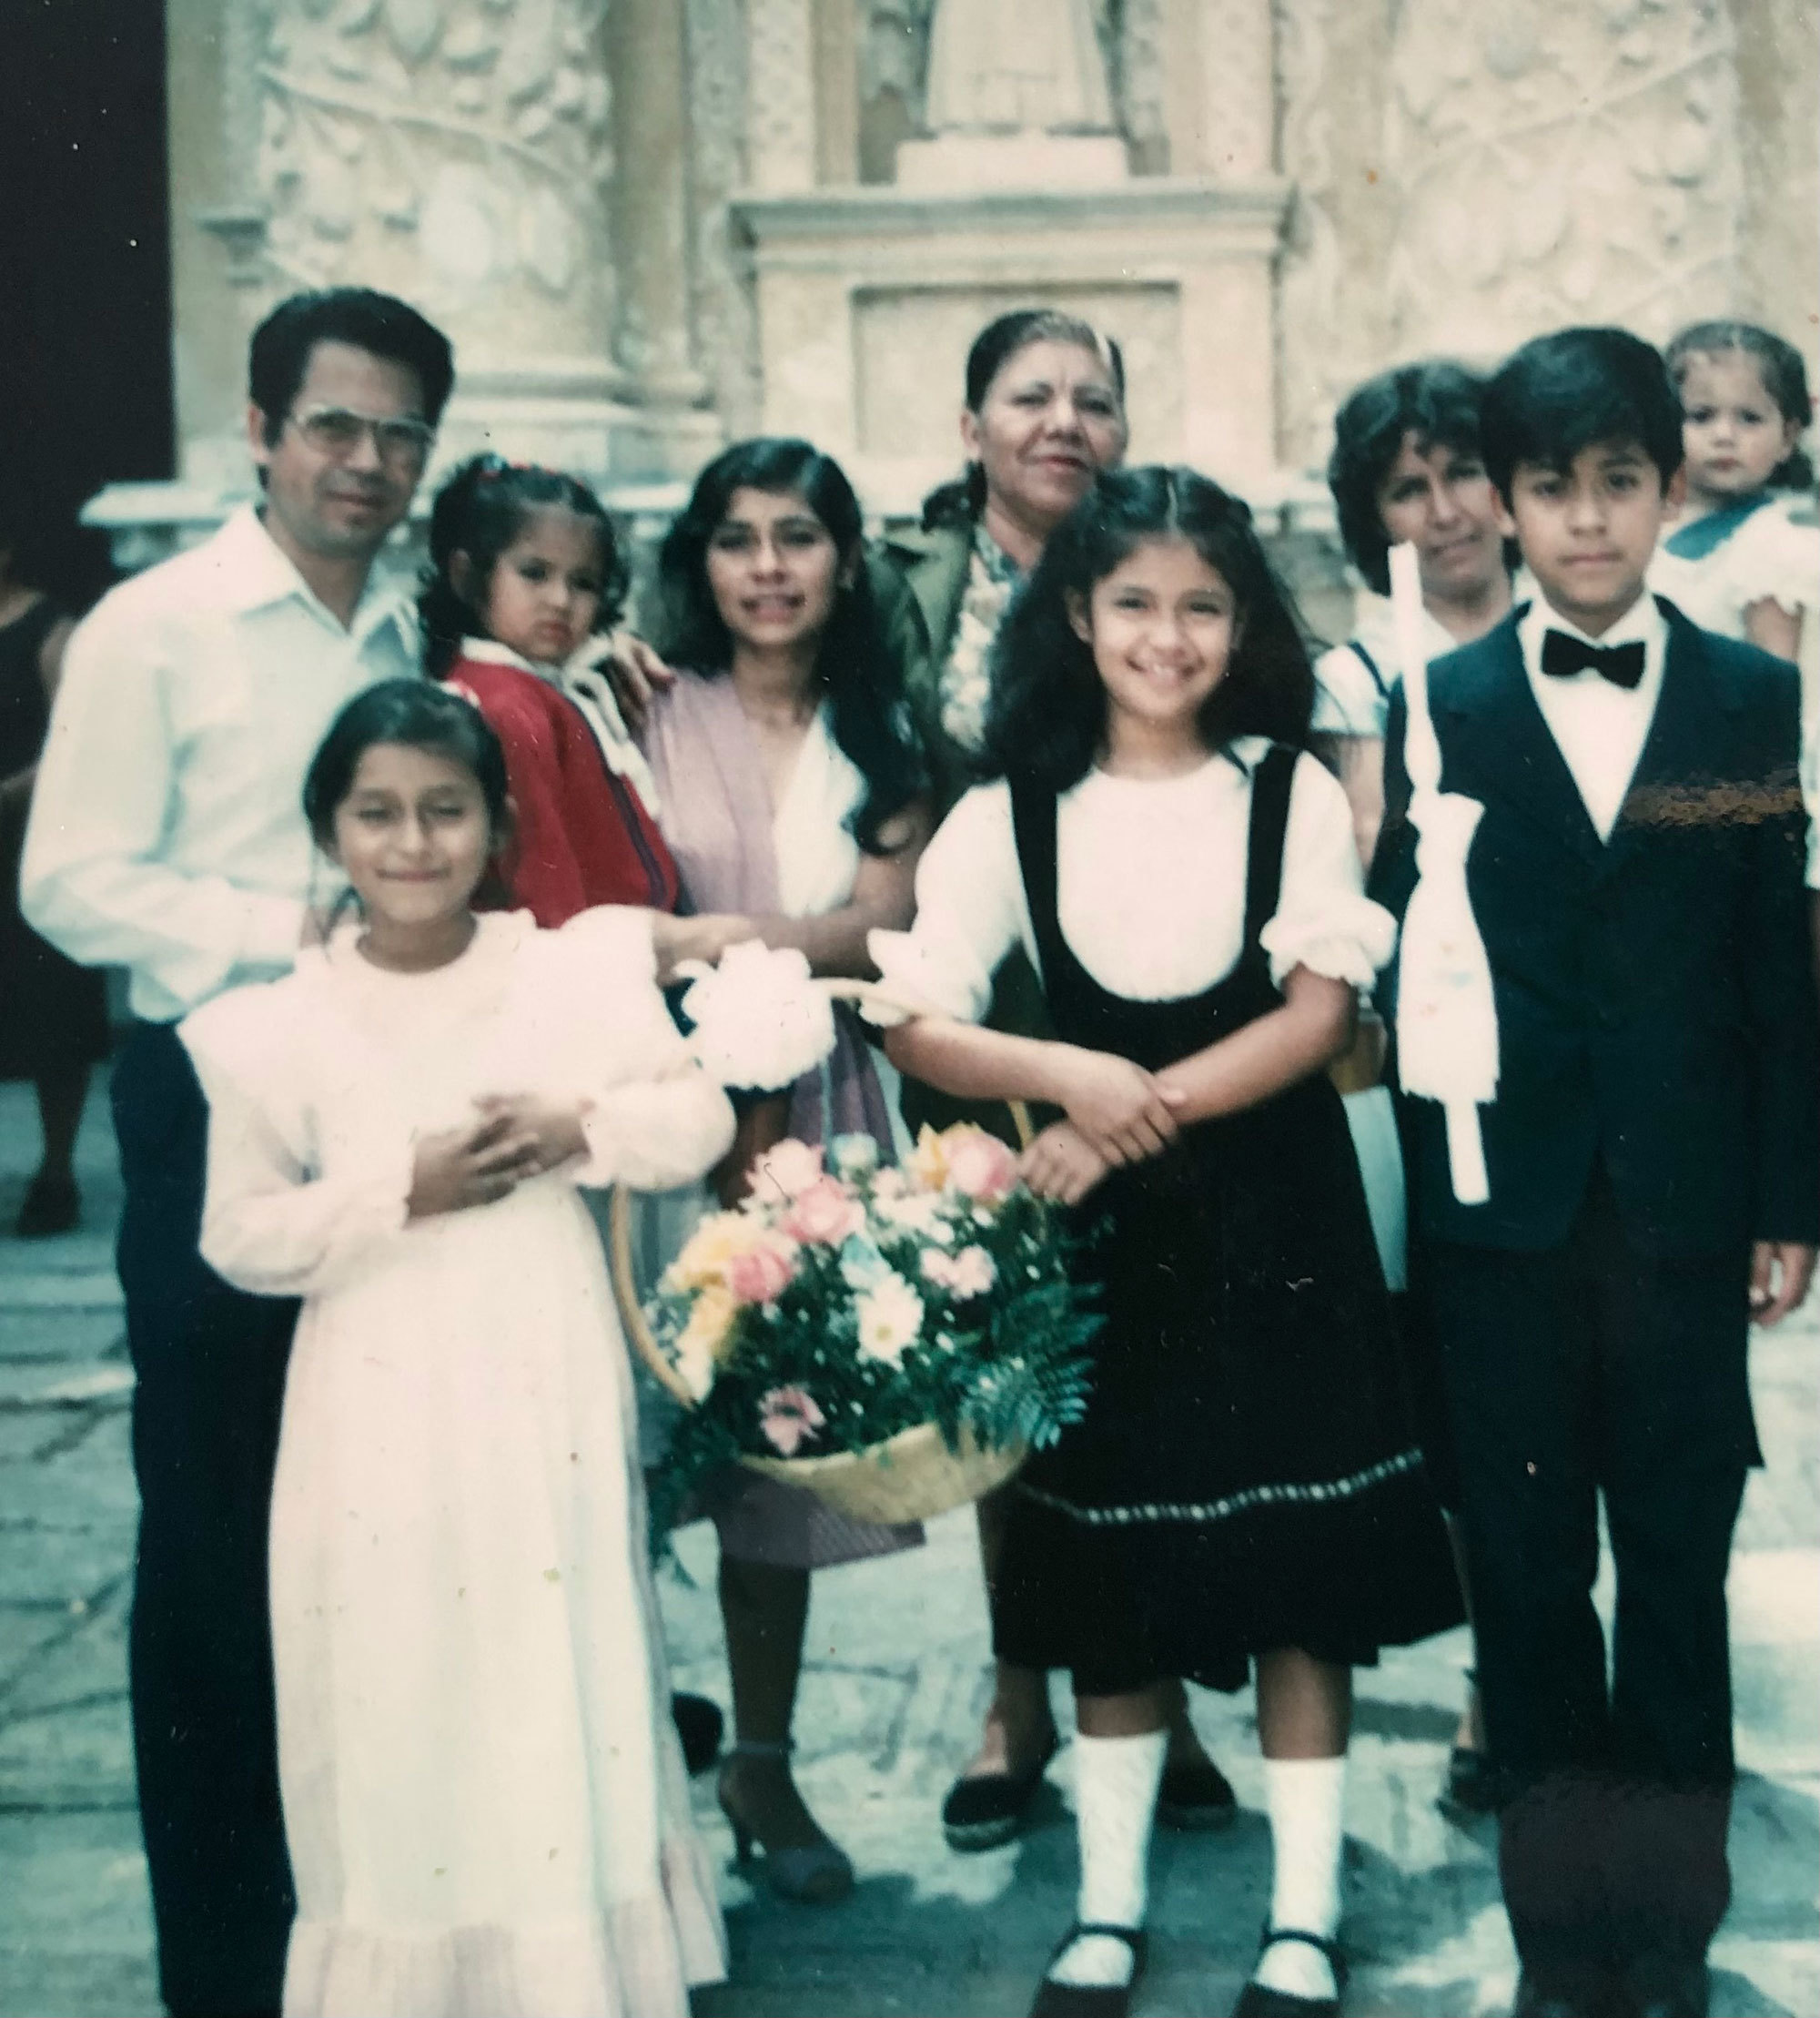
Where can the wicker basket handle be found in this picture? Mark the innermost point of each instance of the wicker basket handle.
(619, 1212)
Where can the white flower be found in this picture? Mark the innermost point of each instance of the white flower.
(694, 1361)
(918, 1212)
(890, 1318)
(974, 1273)
(853, 1156)
(758, 1018)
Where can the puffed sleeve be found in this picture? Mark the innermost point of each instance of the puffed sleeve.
(1347, 700)
(1770, 558)
(1324, 920)
(970, 911)
(271, 1224)
(654, 1119)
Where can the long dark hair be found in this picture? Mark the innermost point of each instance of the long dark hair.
(480, 511)
(866, 698)
(1779, 365)
(961, 501)
(1046, 719)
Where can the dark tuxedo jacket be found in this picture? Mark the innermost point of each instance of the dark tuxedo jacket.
(1655, 995)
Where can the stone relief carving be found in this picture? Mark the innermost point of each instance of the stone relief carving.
(1526, 167)
(469, 139)
(1558, 164)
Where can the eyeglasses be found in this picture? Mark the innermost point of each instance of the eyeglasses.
(338, 431)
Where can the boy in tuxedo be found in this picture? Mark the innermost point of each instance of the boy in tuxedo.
(1654, 1154)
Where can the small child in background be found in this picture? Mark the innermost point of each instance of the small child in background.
(1738, 562)
(524, 573)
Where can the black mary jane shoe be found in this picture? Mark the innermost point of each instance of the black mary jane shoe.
(1260, 2000)
(700, 1726)
(1195, 1795)
(1056, 2000)
(985, 1810)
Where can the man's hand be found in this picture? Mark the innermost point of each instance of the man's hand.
(636, 673)
(1781, 1271)
(1062, 1164)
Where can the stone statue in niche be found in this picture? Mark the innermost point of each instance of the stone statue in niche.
(1015, 66)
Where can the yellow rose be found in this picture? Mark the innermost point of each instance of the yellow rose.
(929, 1161)
(709, 1251)
(701, 1342)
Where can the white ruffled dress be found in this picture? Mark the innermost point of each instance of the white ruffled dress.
(485, 1802)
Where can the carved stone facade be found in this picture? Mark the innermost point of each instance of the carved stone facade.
(649, 224)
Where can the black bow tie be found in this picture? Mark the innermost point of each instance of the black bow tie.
(1562, 656)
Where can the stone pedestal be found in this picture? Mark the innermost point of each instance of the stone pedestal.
(867, 299)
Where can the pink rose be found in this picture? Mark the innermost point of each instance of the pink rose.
(762, 1273)
(786, 1170)
(787, 1416)
(825, 1214)
(980, 1166)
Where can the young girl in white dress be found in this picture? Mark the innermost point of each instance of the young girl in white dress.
(1737, 562)
(1246, 1490)
(1744, 561)
(483, 1796)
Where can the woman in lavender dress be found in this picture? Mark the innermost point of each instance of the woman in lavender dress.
(792, 800)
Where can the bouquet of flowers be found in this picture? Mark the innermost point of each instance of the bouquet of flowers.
(896, 1339)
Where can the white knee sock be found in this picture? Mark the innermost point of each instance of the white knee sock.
(1116, 1783)
(1307, 1800)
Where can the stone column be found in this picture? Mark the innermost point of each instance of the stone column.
(1238, 89)
(652, 340)
(781, 96)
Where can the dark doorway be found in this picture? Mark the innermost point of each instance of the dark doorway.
(85, 258)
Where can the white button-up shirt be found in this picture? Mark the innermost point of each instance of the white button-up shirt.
(167, 833)
(1600, 727)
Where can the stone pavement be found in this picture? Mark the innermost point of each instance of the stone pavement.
(895, 1683)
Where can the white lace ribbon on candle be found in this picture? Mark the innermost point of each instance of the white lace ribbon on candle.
(1447, 1017)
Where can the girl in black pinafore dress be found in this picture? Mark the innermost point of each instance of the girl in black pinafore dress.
(1246, 1488)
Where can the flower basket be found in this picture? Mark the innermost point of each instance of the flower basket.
(894, 1339)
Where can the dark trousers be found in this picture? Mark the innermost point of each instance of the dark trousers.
(210, 1363)
(1585, 1369)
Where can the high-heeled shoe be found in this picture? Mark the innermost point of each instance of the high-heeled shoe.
(814, 1874)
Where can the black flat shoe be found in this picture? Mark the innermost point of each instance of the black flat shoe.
(699, 1724)
(1056, 2000)
(985, 1810)
(52, 1205)
(1195, 1795)
(1259, 2000)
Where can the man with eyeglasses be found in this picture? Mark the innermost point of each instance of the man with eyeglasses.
(168, 837)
